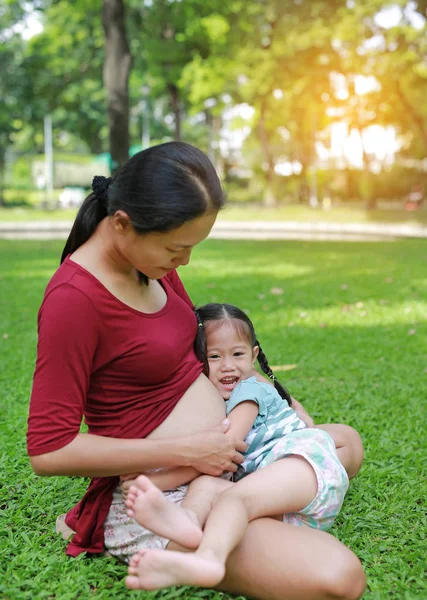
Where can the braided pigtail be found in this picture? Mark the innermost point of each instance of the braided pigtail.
(265, 367)
(200, 344)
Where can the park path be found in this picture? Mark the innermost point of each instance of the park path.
(245, 230)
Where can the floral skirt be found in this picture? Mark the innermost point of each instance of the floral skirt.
(124, 537)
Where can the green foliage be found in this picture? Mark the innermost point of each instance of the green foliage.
(196, 58)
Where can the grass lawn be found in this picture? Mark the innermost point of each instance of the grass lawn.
(352, 317)
(339, 214)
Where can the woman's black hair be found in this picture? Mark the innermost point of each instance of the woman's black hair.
(219, 313)
(160, 189)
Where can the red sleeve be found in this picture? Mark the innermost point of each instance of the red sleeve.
(68, 338)
(179, 288)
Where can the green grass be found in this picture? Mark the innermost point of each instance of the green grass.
(352, 316)
(339, 214)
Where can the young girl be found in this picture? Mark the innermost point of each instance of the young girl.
(308, 487)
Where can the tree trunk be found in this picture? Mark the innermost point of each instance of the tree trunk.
(269, 197)
(174, 93)
(117, 65)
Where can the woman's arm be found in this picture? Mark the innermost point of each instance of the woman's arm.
(209, 452)
(240, 419)
(164, 479)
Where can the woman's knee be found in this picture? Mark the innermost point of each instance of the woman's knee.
(346, 580)
(349, 445)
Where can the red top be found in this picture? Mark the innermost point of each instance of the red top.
(123, 370)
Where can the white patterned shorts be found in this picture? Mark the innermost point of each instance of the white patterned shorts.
(318, 449)
(124, 537)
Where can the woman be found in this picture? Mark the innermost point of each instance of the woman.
(116, 332)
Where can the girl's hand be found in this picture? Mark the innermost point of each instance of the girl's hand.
(212, 452)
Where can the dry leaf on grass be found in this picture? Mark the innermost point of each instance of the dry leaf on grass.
(284, 367)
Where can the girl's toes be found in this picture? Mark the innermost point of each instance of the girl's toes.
(134, 561)
(132, 582)
(132, 570)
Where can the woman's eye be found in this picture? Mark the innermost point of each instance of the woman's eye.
(172, 251)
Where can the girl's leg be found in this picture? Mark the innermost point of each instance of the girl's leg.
(183, 524)
(348, 444)
(278, 561)
(287, 485)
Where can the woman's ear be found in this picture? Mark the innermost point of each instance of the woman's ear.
(121, 222)
(255, 352)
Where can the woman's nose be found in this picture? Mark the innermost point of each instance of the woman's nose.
(183, 259)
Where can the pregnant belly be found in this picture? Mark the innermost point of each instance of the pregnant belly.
(201, 407)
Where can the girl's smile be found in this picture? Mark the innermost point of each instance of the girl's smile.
(230, 356)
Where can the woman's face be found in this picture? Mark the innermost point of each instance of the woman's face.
(156, 254)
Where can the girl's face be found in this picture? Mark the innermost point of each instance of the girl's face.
(231, 357)
(155, 254)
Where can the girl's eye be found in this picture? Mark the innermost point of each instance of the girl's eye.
(238, 354)
(211, 356)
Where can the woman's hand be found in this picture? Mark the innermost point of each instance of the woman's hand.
(212, 452)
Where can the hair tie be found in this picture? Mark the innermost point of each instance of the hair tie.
(100, 185)
(199, 320)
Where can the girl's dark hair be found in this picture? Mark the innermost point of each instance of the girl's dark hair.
(210, 313)
(160, 189)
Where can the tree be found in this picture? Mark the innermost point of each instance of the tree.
(12, 78)
(117, 65)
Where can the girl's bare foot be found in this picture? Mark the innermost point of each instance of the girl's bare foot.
(147, 504)
(156, 569)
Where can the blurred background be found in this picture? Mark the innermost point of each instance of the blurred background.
(314, 104)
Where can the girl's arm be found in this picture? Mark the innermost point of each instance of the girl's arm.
(302, 413)
(242, 418)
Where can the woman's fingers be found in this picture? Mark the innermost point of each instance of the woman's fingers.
(213, 452)
(240, 446)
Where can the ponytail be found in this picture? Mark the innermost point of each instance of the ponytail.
(265, 367)
(159, 188)
(91, 213)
